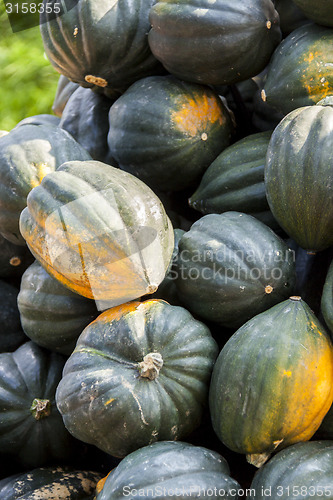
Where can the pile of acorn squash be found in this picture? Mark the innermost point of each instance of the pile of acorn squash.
(166, 272)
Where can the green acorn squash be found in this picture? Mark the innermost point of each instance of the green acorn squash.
(272, 383)
(167, 132)
(235, 181)
(100, 231)
(299, 176)
(171, 468)
(299, 73)
(86, 118)
(100, 45)
(51, 315)
(303, 470)
(139, 374)
(231, 266)
(60, 483)
(11, 333)
(321, 11)
(31, 427)
(291, 16)
(216, 43)
(27, 154)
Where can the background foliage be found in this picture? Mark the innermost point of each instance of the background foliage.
(28, 81)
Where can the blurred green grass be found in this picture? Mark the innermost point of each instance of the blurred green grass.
(28, 81)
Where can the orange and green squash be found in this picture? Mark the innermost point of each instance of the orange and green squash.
(272, 383)
(100, 231)
(166, 131)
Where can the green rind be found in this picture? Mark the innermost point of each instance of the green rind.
(171, 466)
(255, 378)
(235, 180)
(51, 315)
(326, 304)
(226, 261)
(11, 333)
(214, 43)
(303, 470)
(321, 11)
(105, 402)
(107, 40)
(26, 374)
(299, 177)
(299, 73)
(147, 141)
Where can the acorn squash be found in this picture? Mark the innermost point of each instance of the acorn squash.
(166, 131)
(272, 383)
(215, 43)
(139, 374)
(51, 315)
(100, 231)
(321, 11)
(299, 176)
(11, 333)
(231, 266)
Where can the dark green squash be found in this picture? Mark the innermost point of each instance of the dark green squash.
(65, 89)
(215, 43)
(166, 131)
(58, 483)
(100, 231)
(14, 259)
(171, 468)
(86, 118)
(31, 427)
(100, 45)
(299, 176)
(139, 374)
(231, 266)
(52, 315)
(11, 333)
(264, 117)
(27, 154)
(326, 305)
(291, 16)
(299, 73)
(272, 383)
(303, 470)
(235, 181)
(321, 11)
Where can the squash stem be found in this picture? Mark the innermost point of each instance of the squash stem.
(151, 365)
(40, 408)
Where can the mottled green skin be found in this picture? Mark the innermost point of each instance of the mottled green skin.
(263, 392)
(110, 43)
(235, 181)
(299, 176)
(299, 73)
(226, 261)
(52, 315)
(26, 374)
(321, 11)
(215, 43)
(326, 304)
(186, 469)
(156, 131)
(26, 154)
(105, 401)
(58, 483)
(303, 470)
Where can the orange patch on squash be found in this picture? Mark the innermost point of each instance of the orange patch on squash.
(316, 77)
(197, 114)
